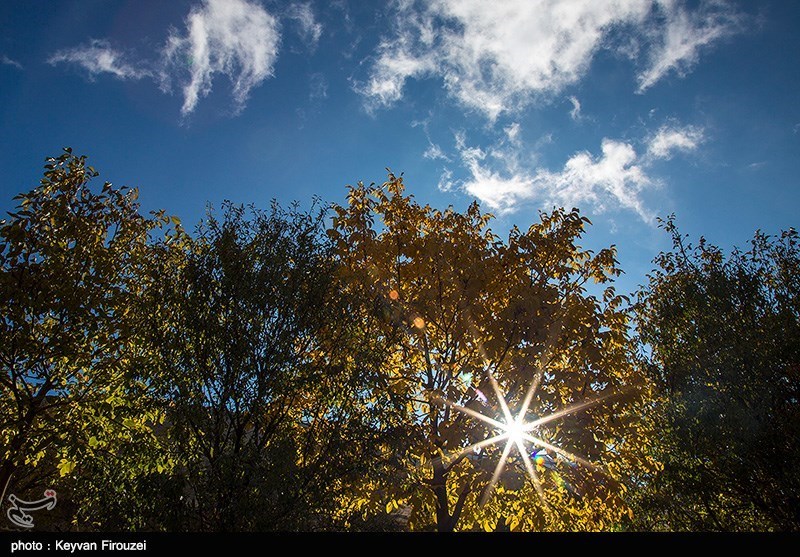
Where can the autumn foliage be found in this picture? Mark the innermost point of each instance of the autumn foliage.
(284, 369)
(453, 302)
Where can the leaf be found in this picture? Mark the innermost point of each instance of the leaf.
(65, 467)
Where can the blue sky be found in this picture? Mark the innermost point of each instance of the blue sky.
(627, 109)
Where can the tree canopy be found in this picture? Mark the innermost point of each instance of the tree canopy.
(724, 339)
(458, 308)
(264, 382)
(385, 365)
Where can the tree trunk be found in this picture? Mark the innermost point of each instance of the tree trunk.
(6, 471)
(444, 522)
(18, 442)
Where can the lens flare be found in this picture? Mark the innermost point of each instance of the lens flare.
(516, 432)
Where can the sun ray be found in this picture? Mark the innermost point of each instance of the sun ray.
(532, 473)
(569, 410)
(497, 471)
(500, 398)
(458, 453)
(545, 445)
(537, 378)
(474, 414)
(531, 391)
(479, 445)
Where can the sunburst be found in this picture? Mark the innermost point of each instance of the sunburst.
(516, 432)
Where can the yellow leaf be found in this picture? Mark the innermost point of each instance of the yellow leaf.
(65, 467)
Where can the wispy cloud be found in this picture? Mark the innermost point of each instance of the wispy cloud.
(500, 59)
(669, 139)
(99, 57)
(6, 61)
(235, 38)
(512, 132)
(682, 33)
(575, 113)
(310, 29)
(317, 87)
(434, 152)
(446, 182)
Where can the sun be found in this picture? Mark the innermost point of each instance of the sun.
(516, 432)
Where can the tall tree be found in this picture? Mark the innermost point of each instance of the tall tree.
(267, 415)
(72, 380)
(724, 350)
(456, 308)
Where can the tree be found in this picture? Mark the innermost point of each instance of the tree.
(265, 384)
(724, 351)
(453, 306)
(73, 379)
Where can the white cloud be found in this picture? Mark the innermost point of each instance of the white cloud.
(575, 113)
(684, 34)
(669, 139)
(501, 191)
(615, 178)
(434, 152)
(310, 29)
(9, 62)
(99, 57)
(500, 59)
(512, 132)
(398, 61)
(235, 38)
(446, 182)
